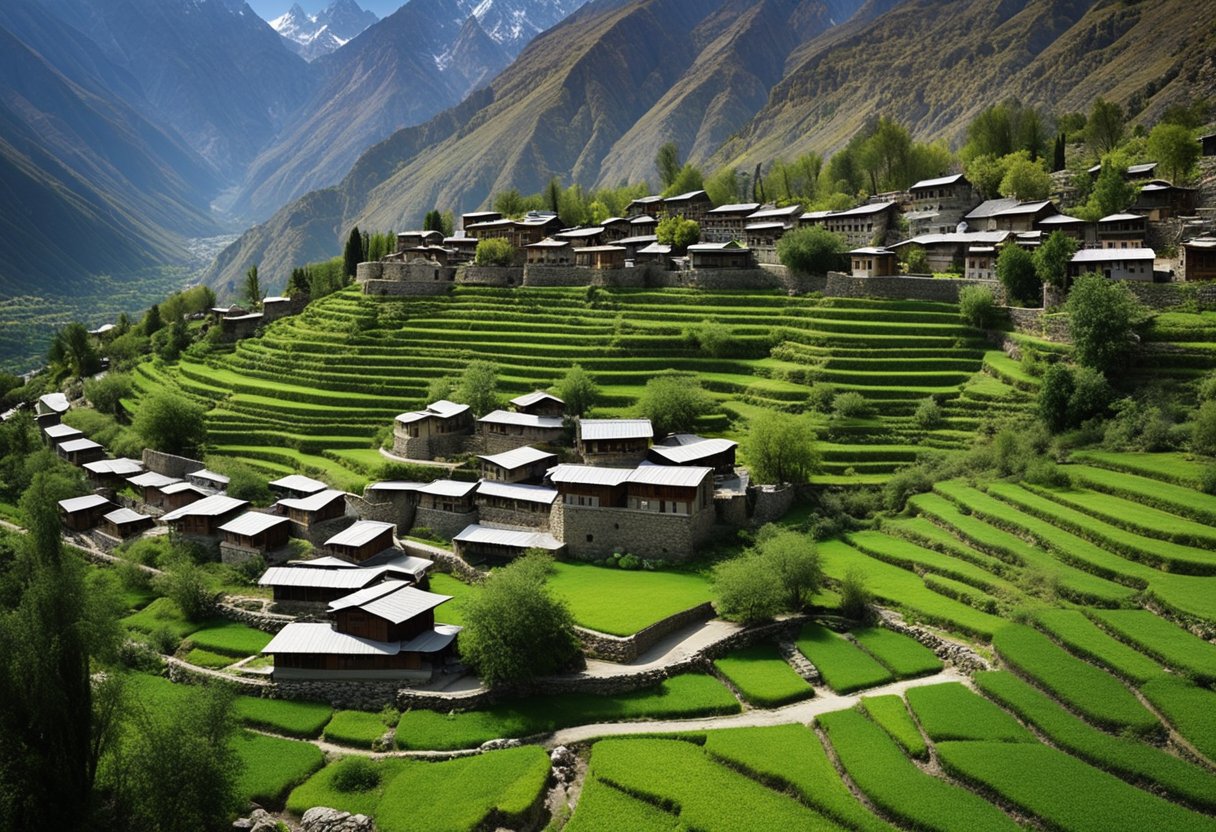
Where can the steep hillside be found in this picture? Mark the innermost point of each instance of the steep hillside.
(420, 60)
(934, 64)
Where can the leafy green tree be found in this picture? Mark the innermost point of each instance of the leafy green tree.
(553, 195)
(1203, 429)
(171, 423)
(986, 172)
(688, 178)
(516, 629)
(855, 595)
(792, 557)
(578, 390)
(745, 591)
(1015, 270)
(977, 307)
(1025, 179)
(780, 448)
(1055, 393)
(1102, 315)
(188, 586)
(724, 187)
(152, 320)
(441, 387)
(478, 387)
(796, 181)
(1175, 148)
(916, 261)
(1005, 128)
(494, 252)
(106, 393)
(352, 255)
(1111, 192)
(298, 284)
(813, 250)
(677, 232)
(1091, 395)
(433, 221)
(667, 163)
(673, 402)
(1104, 128)
(252, 289)
(1052, 257)
(72, 350)
(509, 203)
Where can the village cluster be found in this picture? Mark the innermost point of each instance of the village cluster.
(946, 217)
(362, 596)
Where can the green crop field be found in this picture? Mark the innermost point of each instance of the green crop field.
(1159, 638)
(230, 639)
(1081, 636)
(763, 677)
(356, 728)
(951, 712)
(844, 666)
(271, 767)
(903, 656)
(891, 714)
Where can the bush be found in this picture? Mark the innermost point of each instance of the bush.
(855, 596)
(813, 250)
(1045, 472)
(106, 393)
(850, 405)
(495, 252)
(713, 338)
(189, 587)
(915, 260)
(1206, 389)
(1203, 429)
(928, 414)
(1015, 269)
(977, 307)
(746, 591)
(629, 562)
(171, 423)
(1207, 480)
(1054, 396)
(1091, 395)
(355, 774)
(578, 390)
(820, 398)
(677, 232)
(780, 448)
(478, 387)
(673, 402)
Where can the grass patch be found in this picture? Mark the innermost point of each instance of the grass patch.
(163, 613)
(903, 656)
(1189, 708)
(230, 638)
(952, 712)
(284, 716)
(680, 697)
(453, 611)
(1081, 636)
(892, 715)
(621, 602)
(1166, 496)
(604, 808)
(875, 763)
(1135, 516)
(273, 766)
(765, 679)
(205, 658)
(843, 665)
(356, 728)
(1163, 640)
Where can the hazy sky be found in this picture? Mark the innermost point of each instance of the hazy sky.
(273, 8)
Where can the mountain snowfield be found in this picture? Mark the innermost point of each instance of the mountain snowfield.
(314, 35)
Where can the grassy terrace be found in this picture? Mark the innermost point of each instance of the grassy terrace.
(312, 391)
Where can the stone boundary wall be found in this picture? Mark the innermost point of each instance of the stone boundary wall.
(187, 674)
(770, 504)
(627, 648)
(526, 520)
(267, 622)
(443, 523)
(1165, 295)
(170, 465)
(503, 276)
(403, 288)
(898, 287)
(447, 562)
(959, 655)
(365, 509)
(541, 275)
(1038, 323)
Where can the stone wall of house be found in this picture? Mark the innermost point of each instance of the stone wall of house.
(732, 511)
(770, 502)
(446, 562)
(446, 524)
(398, 509)
(357, 694)
(429, 447)
(530, 520)
(593, 533)
(490, 275)
(170, 465)
(497, 443)
(401, 288)
(234, 555)
(627, 648)
(103, 541)
(318, 533)
(417, 277)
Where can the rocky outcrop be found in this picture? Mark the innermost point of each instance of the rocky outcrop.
(323, 819)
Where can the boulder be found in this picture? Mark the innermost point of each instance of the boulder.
(324, 819)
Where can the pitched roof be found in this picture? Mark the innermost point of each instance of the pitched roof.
(179, 487)
(684, 453)
(441, 409)
(213, 506)
(871, 250)
(679, 476)
(578, 233)
(736, 208)
(61, 431)
(938, 182)
(588, 475)
(370, 593)
(313, 502)
(516, 491)
(615, 429)
(1121, 218)
(320, 578)
(518, 457)
(433, 640)
(532, 398)
(88, 501)
(125, 515)
(766, 213)
(448, 488)
(1025, 208)
(685, 197)
(599, 249)
(303, 637)
(252, 523)
(298, 482)
(360, 533)
(151, 479)
(56, 402)
(956, 238)
(529, 420)
(402, 604)
(510, 538)
(1059, 219)
(730, 245)
(210, 476)
(394, 485)
(655, 248)
(863, 210)
(990, 207)
(74, 445)
(1111, 255)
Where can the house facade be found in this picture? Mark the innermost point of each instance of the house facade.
(439, 430)
(613, 441)
(504, 430)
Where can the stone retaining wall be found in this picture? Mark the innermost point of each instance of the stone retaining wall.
(951, 652)
(447, 562)
(636, 276)
(1039, 323)
(1167, 295)
(188, 674)
(901, 287)
(593, 533)
(401, 288)
(267, 622)
(529, 520)
(170, 465)
(627, 648)
(503, 276)
(770, 503)
(443, 523)
(386, 512)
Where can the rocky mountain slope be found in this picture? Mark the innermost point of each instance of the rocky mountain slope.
(313, 35)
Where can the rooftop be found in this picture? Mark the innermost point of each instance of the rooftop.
(511, 417)
(313, 502)
(678, 476)
(394, 485)
(518, 457)
(509, 538)
(516, 491)
(736, 208)
(938, 182)
(302, 637)
(300, 483)
(125, 515)
(210, 476)
(360, 533)
(592, 429)
(253, 523)
(179, 487)
(56, 402)
(588, 475)
(1109, 255)
(151, 479)
(448, 488)
(88, 501)
(685, 453)
(213, 506)
(370, 593)
(1122, 218)
(319, 578)
(402, 604)
(872, 250)
(74, 445)
(61, 431)
(990, 208)
(529, 399)
(787, 211)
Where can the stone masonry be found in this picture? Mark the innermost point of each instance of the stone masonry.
(593, 533)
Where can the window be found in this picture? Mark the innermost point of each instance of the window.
(590, 538)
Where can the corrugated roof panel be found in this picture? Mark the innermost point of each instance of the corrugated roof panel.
(212, 506)
(518, 457)
(299, 482)
(84, 503)
(359, 533)
(588, 475)
(511, 538)
(674, 475)
(448, 488)
(302, 637)
(527, 420)
(313, 502)
(514, 491)
(615, 429)
(253, 522)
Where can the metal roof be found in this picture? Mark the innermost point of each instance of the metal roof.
(1110, 255)
(675, 475)
(655, 248)
(510, 538)
(516, 491)
(299, 482)
(956, 237)
(432, 641)
(936, 183)
(644, 219)
(814, 215)
(125, 515)
(549, 242)
(88, 501)
(394, 560)
(179, 487)
(301, 637)
(1121, 218)
(73, 445)
(325, 562)
(61, 431)
(736, 208)
(588, 475)
(212, 506)
(441, 409)
(394, 485)
(529, 420)
(151, 479)
(1145, 167)
(599, 249)
(204, 474)
(862, 210)
(1025, 208)
(404, 604)
(1059, 219)
(684, 453)
(370, 593)
(1200, 242)
(576, 233)
(519, 457)
(360, 533)
(615, 429)
(448, 488)
(990, 207)
(787, 211)
(684, 197)
(751, 226)
(252, 523)
(312, 576)
(871, 250)
(638, 240)
(57, 402)
(532, 398)
(313, 502)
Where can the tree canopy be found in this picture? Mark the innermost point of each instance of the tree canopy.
(780, 447)
(813, 250)
(673, 402)
(578, 390)
(1102, 315)
(171, 423)
(1015, 269)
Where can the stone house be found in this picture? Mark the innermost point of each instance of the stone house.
(1114, 264)
(539, 403)
(57, 434)
(519, 233)
(634, 245)
(125, 523)
(362, 540)
(275, 307)
(947, 252)
(649, 206)
(865, 225)
(981, 217)
(1074, 227)
(475, 217)
(295, 485)
(656, 254)
(306, 584)
(253, 534)
(478, 544)
(981, 262)
(1159, 200)
(502, 430)
(1121, 231)
(445, 506)
(461, 250)
(80, 451)
(386, 631)
(83, 513)
(873, 262)
(600, 257)
(313, 510)
(1198, 259)
(439, 430)
(410, 240)
(549, 252)
(524, 464)
(582, 237)
(690, 449)
(720, 256)
(726, 222)
(613, 441)
(616, 229)
(204, 517)
(937, 206)
(394, 500)
(512, 504)
(1020, 217)
(691, 206)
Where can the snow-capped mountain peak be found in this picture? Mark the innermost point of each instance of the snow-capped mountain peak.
(314, 35)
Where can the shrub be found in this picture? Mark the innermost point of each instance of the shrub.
(106, 393)
(578, 390)
(1015, 269)
(780, 448)
(1101, 317)
(673, 402)
(1203, 429)
(171, 423)
(189, 587)
(355, 774)
(1047, 473)
(850, 405)
(1091, 395)
(977, 307)
(1055, 393)
(813, 250)
(820, 398)
(746, 591)
(929, 414)
(1206, 389)
(629, 562)
(713, 338)
(478, 387)
(1207, 480)
(855, 597)
(915, 260)
(677, 232)
(494, 252)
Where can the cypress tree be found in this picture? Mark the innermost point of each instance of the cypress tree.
(1058, 163)
(352, 256)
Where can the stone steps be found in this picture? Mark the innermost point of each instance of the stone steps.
(801, 664)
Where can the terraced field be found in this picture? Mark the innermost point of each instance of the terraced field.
(313, 390)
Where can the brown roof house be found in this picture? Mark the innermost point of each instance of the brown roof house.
(439, 430)
(613, 441)
(524, 464)
(386, 631)
(502, 430)
(600, 257)
(83, 513)
(204, 517)
(149, 485)
(253, 534)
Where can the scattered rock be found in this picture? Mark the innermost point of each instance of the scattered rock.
(564, 762)
(801, 664)
(259, 820)
(323, 819)
(498, 745)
